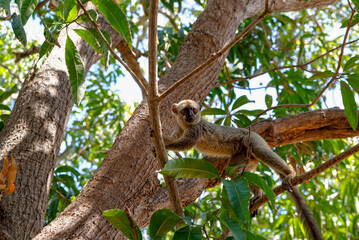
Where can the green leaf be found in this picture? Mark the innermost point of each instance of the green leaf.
(27, 8)
(93, 15)
(67, 169)
(251, 236)
(285, 19)
(5, 117)
(325, 74)
(45, 49)
(48, 44)
(230, 170)
(18, 29)
(76, 71)
(213, 111)
(120, 221)
(352, 62)
(73, 13)
(18, 3)
(235, 228)
(190, 168)
(4, 107)
(6, 94)
(353, 81)
(350, 107)
(258, 181)
(162, 221)
(354, 21)
(356, 3)
(101, 42)
(68, 6)
(187, 232)
(226, 205)
(242, 100)
(89, 38)
(114, 14)
(268, 100)
(239, 195)
(5, 4)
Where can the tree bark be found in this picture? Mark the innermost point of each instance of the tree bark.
(33, 135)
(127, 176)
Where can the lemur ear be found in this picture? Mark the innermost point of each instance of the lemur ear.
(199, 105)
(174, 108)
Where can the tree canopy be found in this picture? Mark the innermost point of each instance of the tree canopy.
(279, 68)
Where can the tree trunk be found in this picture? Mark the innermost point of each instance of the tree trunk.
(127, 177)
(33, 135)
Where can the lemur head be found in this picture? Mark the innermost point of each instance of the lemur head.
(187, 112)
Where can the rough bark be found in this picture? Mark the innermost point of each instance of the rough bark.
(33, 135)
(127, 176)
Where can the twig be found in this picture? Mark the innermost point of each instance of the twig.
(60, 194)
(224, 234)
(205, 232)
(308, 175)
(172, 21)
(9, 17)
(142, 84)
(32, 50)
(215, 56)
(326, 86)
(347, 174)
(153, 105)
(285, 67)
(10, 71)
(132, 223)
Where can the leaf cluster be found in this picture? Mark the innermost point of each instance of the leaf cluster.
(231, 210)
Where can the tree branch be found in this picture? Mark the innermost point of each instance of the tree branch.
(302, 66)
(308, 175)
(10, 71)
(215, 56)
(131, 60)
(153, 105)
(142, 84)
(326, 86)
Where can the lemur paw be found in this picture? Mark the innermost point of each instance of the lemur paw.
(286, 182)
(251, 203)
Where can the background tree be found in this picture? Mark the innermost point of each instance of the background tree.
(281, 46)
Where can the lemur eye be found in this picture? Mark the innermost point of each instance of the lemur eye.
(183, 111)
(195, 110)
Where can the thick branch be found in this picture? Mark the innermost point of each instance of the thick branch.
(308, 175)
(131, 60)
(309, 126)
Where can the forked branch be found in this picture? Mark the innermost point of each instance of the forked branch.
(216, 55)
(140, 82)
